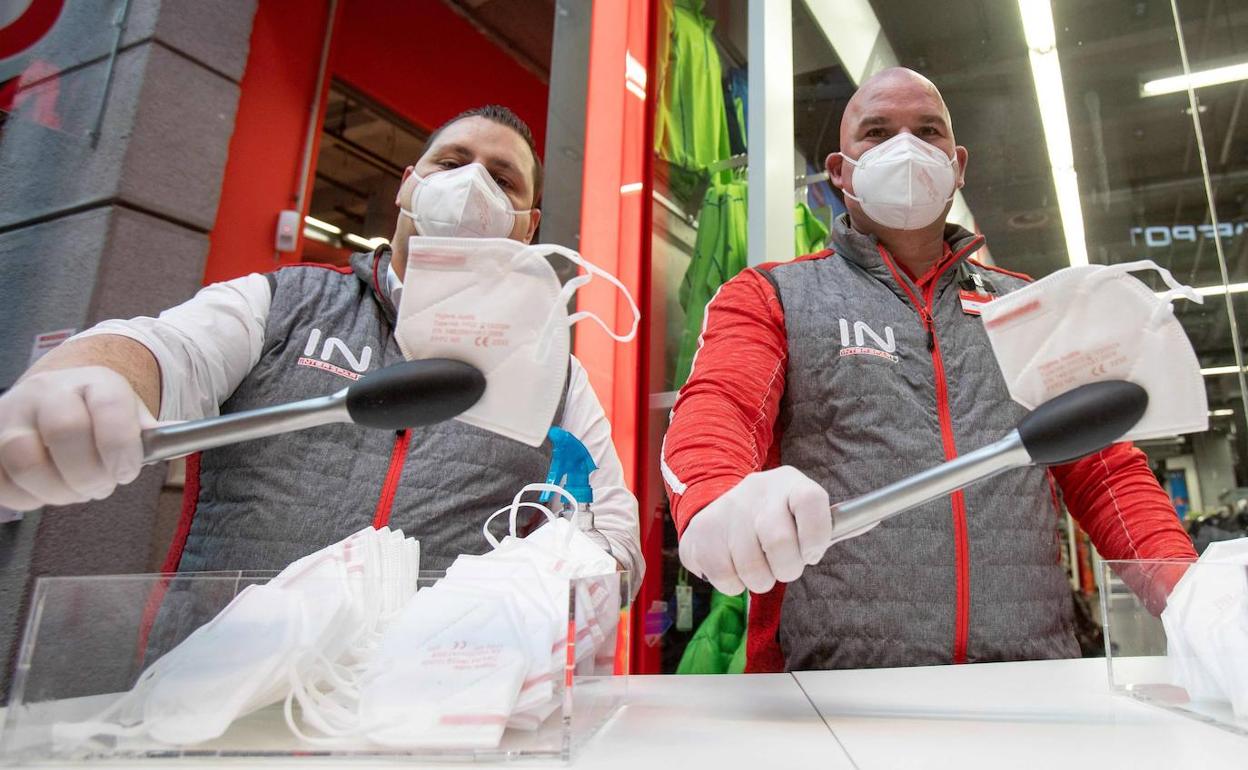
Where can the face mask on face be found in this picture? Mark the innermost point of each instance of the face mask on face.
(496, 304)
(1091, 323)
(462, 202)
(903, 183)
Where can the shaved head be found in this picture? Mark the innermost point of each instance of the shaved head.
(892, 102)
(884, 91)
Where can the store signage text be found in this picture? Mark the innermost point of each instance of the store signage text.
(1160, 236)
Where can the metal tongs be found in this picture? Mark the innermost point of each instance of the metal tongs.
(401, 396)
(1077, 423)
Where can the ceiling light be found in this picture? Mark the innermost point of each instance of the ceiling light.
(1038, 24)
(1215, 291)
(352, 238)
(1221, 412)
(324, 227)
(1219, 290)
(1046, 73)
(1211, 371)
(378, 241)
(316, 235)
(1210, 77)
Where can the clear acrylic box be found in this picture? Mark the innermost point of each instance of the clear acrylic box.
(1143, 664)
(87, 640)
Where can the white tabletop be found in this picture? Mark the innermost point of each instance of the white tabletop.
(1042, 714)
(727, 722)
(1045, 714)
(751, 722)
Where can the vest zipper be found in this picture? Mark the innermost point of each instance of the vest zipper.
(961, 539)
(398, 456)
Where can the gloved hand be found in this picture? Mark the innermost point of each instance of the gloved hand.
(766, 528)
(69, 435)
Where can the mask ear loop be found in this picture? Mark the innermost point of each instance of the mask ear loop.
(514, 508)
(556, 489)
(590, 270)
(517, 504)
(545, 339)
(1176, 289)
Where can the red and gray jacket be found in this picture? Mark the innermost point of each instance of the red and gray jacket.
(262, 504)
(845, 367)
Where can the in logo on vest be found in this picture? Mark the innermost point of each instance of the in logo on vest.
(885, 347)
(333, 346)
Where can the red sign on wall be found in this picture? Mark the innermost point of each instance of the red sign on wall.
(22, 24)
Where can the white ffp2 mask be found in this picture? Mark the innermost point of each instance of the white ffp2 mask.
(462, 202)
(497, 304)
(1095, 322)
(446, 674)
(1206, 624)
(903, 183)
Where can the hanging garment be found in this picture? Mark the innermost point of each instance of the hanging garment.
(719, 253)
(809, 233)
(719, 641)
(736, 102)
(691, 127)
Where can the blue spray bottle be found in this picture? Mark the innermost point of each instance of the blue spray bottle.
(570, 466)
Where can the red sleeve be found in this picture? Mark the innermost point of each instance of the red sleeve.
(1116, 499)
(722, 424)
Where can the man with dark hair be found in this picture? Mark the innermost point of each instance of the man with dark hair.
(501, 115)
(69, 430)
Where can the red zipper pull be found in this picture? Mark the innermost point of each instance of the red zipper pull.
(931, 329)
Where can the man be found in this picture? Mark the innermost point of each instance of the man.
(69, 430)
(832, 375)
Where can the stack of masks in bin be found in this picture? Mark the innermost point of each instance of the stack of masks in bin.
(370, 660)
(1206, 623)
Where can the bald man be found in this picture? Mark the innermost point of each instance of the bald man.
(837, 373)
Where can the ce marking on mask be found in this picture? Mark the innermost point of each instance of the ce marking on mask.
(1065, 372)
(465, 328)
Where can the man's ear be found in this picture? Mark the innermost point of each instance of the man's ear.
(535, 217)
(407, 172)
(835, 164)
(962, 155)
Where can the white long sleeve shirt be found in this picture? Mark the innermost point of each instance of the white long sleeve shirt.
(207, 345)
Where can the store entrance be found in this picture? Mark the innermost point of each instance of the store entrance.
(363, 150)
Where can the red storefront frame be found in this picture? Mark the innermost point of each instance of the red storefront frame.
(615, 233)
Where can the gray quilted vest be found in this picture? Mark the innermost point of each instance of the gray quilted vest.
(261, 504)
(971, 577)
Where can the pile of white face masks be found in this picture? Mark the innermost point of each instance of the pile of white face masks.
(371, 661)
(483, 649)
(1206, 623)
(317, 622)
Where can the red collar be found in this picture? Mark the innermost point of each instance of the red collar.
(935, 269)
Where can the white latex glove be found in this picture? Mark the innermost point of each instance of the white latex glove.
(69, 435)
(766, 528)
